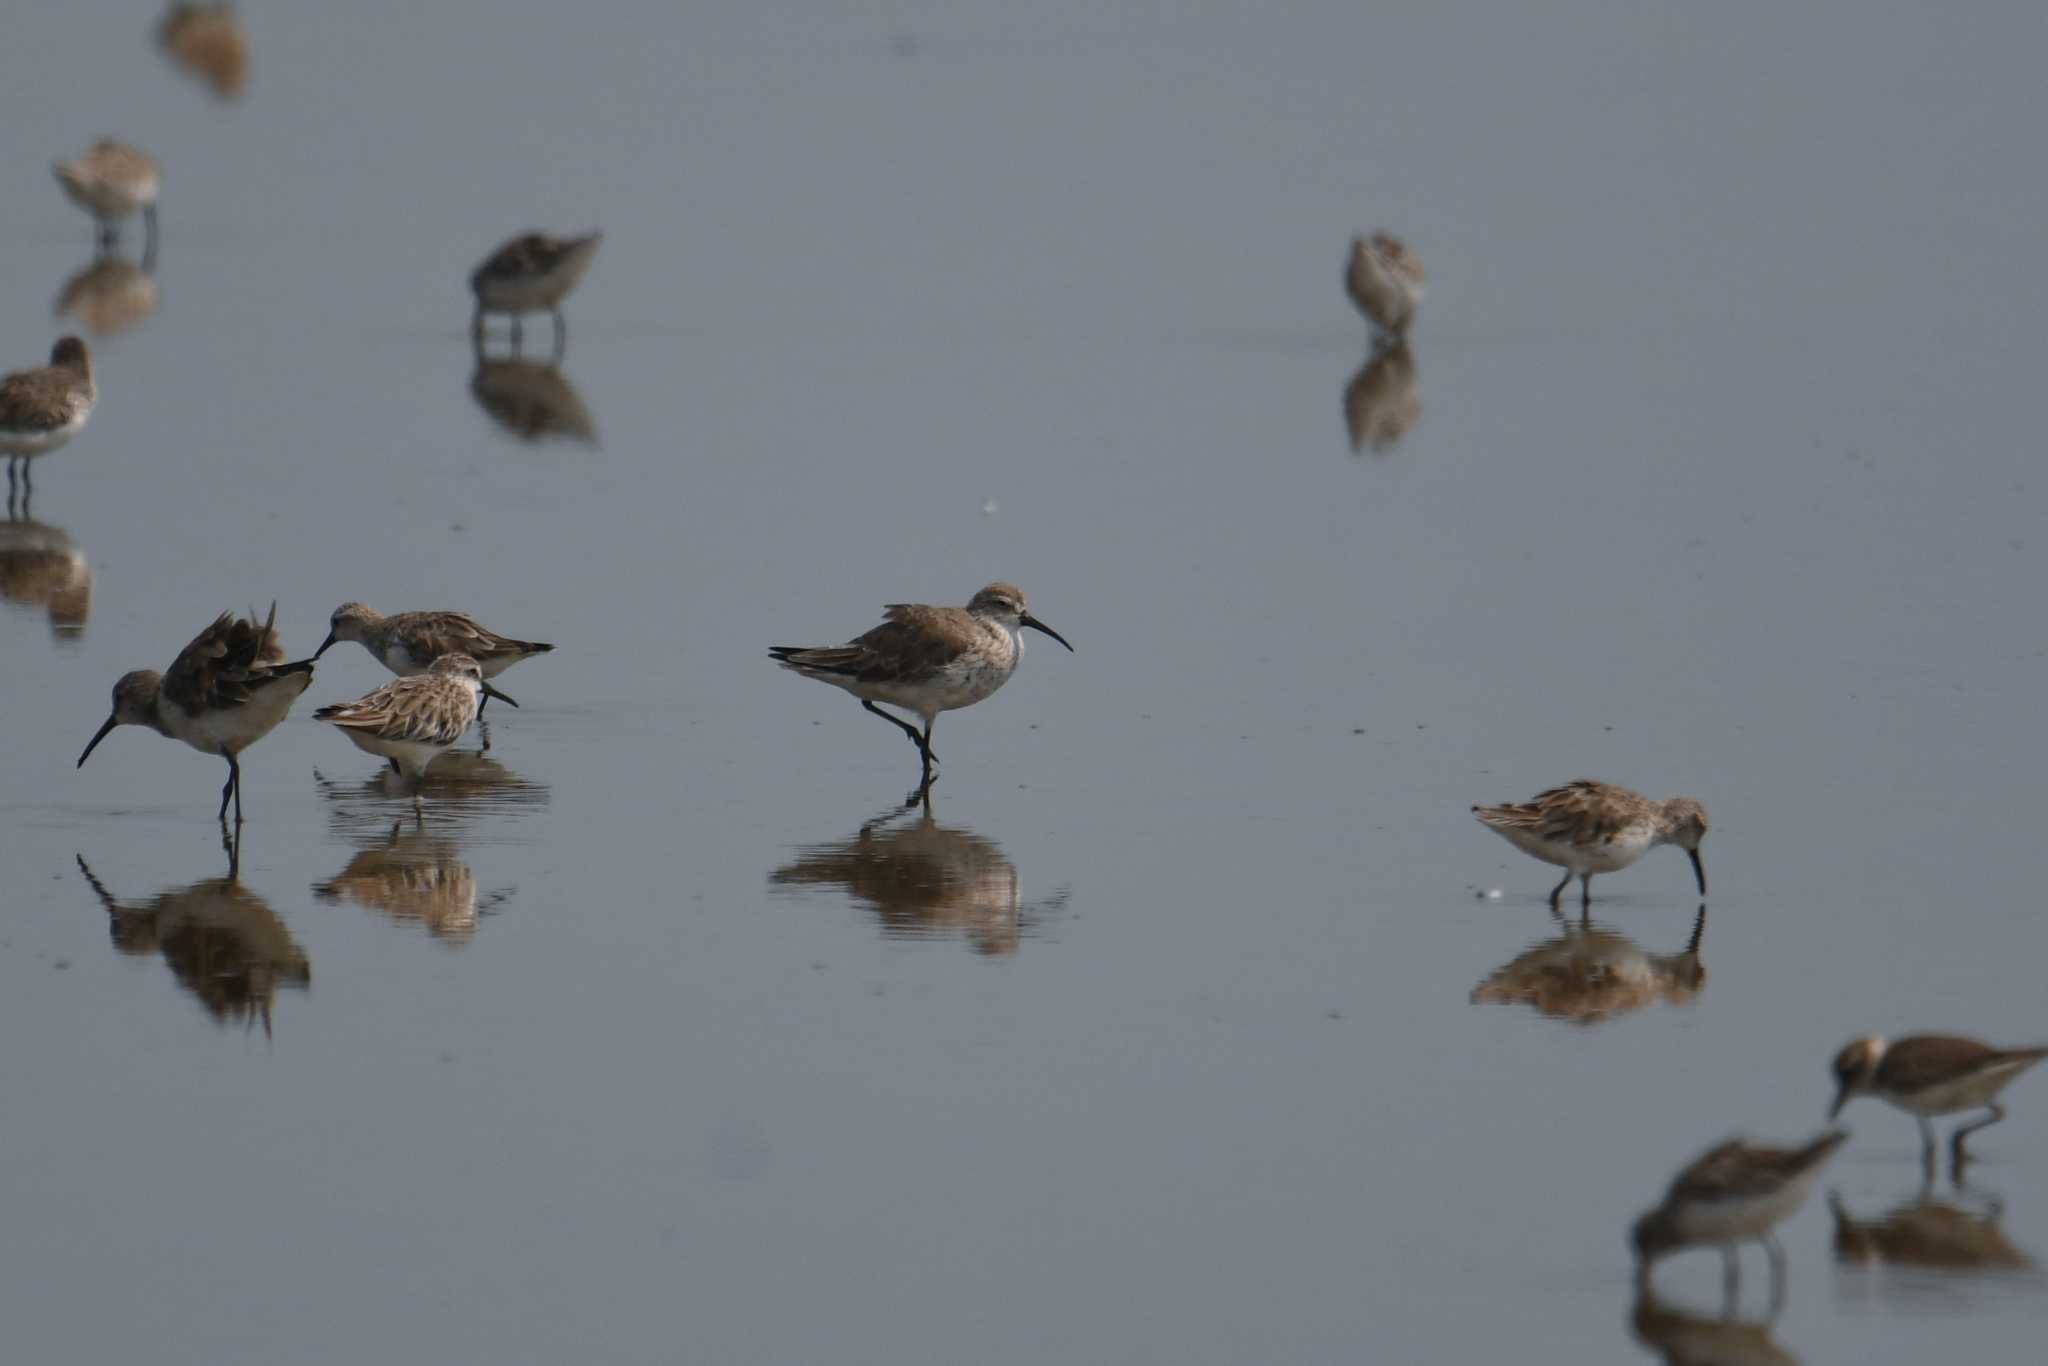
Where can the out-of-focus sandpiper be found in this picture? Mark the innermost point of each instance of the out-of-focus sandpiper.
(531, 274)
(1384, 278)
(206, 42)
(43, 408)
(410, 720)
(409, 643)
(112, 181)
(926, 659)
(1734, 1193)
(1931, 1074)
(228, 689)
(1588, 827)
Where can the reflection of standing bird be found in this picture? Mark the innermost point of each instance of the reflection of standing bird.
(1925, 1232)
(40, 566)
(1588, 827)
(1588, 975)
(1686, 1339)
(1383, 399)
(111, 182)
(1384, 278)
(228, 689)
(410, 720)
(1734, 1193)
(531, 274)
(926, 659)
(222, 942)
(43, 408)
(109, 295)
(416, 877)
(1931, 1074)
(532, 401)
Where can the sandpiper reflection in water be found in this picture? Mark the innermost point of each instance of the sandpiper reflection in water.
(206, 42)
(222, 942)
(110, 293)
(473, 794)
(1685, 1338)
(531, 400)
(415, 877)
(924, 880)
(41, 568)
(1384, 399)
(1927, 1233)
(1590, 974)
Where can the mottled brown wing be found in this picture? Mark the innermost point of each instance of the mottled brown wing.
(429, 635)
(528, 254)
(224, 664)
(1582, 811)
(424, 709)
(33, 401)
(1924, 1060)
(912, 641)
(1738, 1168)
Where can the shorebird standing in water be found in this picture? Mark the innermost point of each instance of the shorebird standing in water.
(1734, 1193)
(43, 408)
(411, 720)
(111, 182)
(228, 689)
(1931, 1074)
(1588, 827)
(1384, 278)
(926, 659)
(409, 643)
(531, 274)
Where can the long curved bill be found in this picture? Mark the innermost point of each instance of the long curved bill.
(323, 645)
(1035, 624)
(1699, 870)
(98, 735)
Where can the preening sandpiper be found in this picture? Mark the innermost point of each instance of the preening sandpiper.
(926, 659)
(410, 720)
(112, 181)
(1734, 1193)
(228, 689)
(1931, 1074)
(43, 408)
(1588, 827)
(531, 274)
(1384, 278)
(409, 643)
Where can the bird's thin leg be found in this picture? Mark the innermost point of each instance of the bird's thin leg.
(235, 772)
(149, 230)
(1586, 890)
(1558, 890)
(1777, 1251)
(925, 745)
(483, 732)
(1995, 1112)
(1927, 1147)
(515, 334)
(228, 790)
(897, 722)
(396, 768)
(1731, 1278)
(561, 335)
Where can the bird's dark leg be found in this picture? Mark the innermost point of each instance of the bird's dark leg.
(1777, 1251)
(515, 334)
(561, 335)
(1927, 1147)
(1558, 890)
(1586, 891)
(483, 731)
(1995, 1112)
(924, 746)
(149, 230)
(230, 790)
(396, 768)
(899, 723)
(1731, 1278)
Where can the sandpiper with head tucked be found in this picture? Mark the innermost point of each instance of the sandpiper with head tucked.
(1588, 827)
(228, 689)
(411, 720)
(530, 274)
(1736, 1192)
(111, 182)
(409, 643)
(43, 408)
(1931, 1074)
(926, 659)
(1384, 278)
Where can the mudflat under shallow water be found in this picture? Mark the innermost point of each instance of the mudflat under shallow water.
(1179, 1027)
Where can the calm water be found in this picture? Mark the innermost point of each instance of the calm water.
(667, 1036)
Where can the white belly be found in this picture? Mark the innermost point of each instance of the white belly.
(1610, 857)
(235, 729)
(41, 443)
(413, 756)
(1728, 1221)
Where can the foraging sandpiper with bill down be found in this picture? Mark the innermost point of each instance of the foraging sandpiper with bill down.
(532, 273)
(1736, 1192)
(1588, 827)
(409, 643)
(227, 689)
(112, 181)
(926, 660)
(411, 720)
(43, 408)
(1931, 1074)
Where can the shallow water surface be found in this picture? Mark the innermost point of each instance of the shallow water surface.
(1179, 1026)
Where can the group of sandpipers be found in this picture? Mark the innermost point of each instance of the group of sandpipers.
(232, 685)
(1737, 1191)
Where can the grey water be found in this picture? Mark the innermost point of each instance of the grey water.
(1181, 1028)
